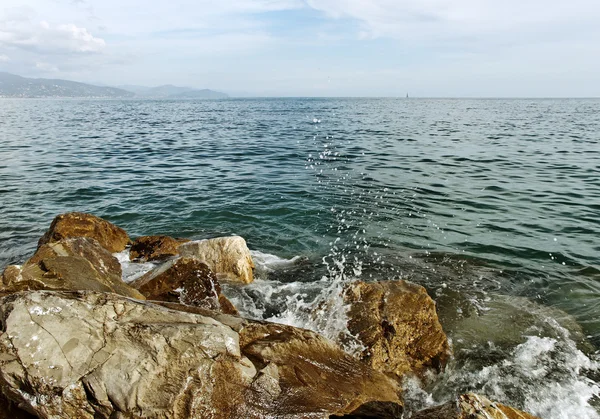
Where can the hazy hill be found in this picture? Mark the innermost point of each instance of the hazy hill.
(168, 91)
(12, 85)
(200, 94)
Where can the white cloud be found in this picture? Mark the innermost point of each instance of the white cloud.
(49, 39)
(427, 19)
(361, 45)
(4, 58)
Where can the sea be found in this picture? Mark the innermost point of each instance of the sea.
(493, 205)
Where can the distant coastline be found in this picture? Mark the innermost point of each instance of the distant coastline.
(14, 86)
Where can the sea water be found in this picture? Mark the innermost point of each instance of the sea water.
(492, 205)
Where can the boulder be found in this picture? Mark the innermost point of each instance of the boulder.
(228, 257)
(149, 248)
(300, 371)
(185, 280)
(94, 355)
(78, 224)
(472, 406)
(397, 323)
(70, 264)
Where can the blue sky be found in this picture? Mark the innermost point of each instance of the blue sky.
(455, 48)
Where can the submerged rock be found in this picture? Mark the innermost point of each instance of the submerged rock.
(228, 257)
(149, 248)
(185, 280)
(472, 406)
(397, 323)
(505, 320)
(94, 355)
(70, 264)
(79, 224)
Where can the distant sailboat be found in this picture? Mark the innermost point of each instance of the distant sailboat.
(407, 95)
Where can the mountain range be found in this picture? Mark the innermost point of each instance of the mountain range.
(12, 85)
(173, 92)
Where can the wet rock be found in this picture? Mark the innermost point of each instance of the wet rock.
(472, 406)
(228, 257)
(149, 248)
(78, 224)
(397, 323)
(301, 372)
(71, 264)
(94, 355)
(185, 280)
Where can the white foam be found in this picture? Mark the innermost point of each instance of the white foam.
(266, 262)
(314, 305)
(132, 270)
(557, 396)
(543, 376)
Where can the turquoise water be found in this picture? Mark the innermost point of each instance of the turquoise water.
(490, 204)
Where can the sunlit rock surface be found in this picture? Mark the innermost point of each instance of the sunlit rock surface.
(228, 257)
(78, 224)
(78, 263)
(185, 280)
(94, 355)
(152, 248)
(397, 323)
(472, 406)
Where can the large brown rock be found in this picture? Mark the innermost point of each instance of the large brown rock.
(71, 264)
(301, 372)
(472, 406)
(397, 323)
(79, 224)
(94, 355)
(149, 248)
(228, 257)
(185, 280)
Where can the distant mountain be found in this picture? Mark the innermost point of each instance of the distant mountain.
(138, 90)
(16, 86)
(168, 91)
(200, 94)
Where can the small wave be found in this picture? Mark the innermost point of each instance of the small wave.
(266, 262)
(315, 305)
(522, 354)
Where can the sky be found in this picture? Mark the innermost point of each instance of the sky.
(428, 48)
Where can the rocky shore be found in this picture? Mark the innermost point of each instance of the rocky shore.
(76, 341)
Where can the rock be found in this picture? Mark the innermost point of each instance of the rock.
(71, 264)
(9, 410)
(185, 280)
(87, 248)
(397, 323)
(93, 355)
(148, 248)
(300, 371)
(472, 406)
(11, 274)
(228, 257)
(78, 224)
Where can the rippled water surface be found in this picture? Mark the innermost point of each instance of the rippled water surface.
(493, 205)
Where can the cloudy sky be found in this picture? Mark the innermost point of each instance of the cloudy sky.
(454, 48)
